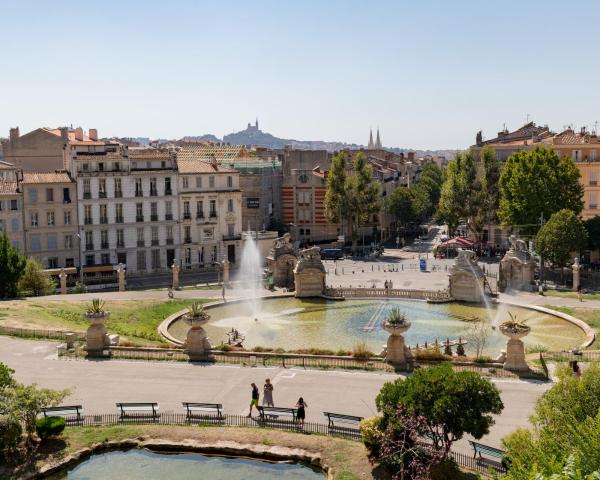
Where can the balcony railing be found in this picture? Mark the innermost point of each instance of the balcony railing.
(187, 216)
(104, 245)
(168, 191)
(87, 195)
(188, 240)
(104, 220)
(87, 221)
(213, 214)
(168, 216)
(236, 236)
(141, 243)
(139, 218)
(154, 218)
(89, 246)
(119, 219)
(154, 242)
(118, 194)
(593, 206)
(593, 183)
(153, 193)
(120, 245)
(139, 193)
(169, 241)
(101, 194)
(200, 216)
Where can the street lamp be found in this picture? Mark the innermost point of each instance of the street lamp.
(80, 264)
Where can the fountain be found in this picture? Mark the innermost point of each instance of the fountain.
(249, 276)
(309, 274)
(516, 267)
(466, 278)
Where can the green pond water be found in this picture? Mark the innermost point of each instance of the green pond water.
(146, 465)
(292, 323)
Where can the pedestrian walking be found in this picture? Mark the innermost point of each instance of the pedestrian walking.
(301, 414)
(268, 394)
(254, 398)
(223, 293)
(576, 369)
(580, 293)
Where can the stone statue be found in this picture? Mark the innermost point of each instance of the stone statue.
(466, 282)
(309, 274)
(517, 267)
(281, 262)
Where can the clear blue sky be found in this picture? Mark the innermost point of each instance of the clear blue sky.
(429, 74)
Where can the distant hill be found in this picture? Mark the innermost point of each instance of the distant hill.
(202, 138)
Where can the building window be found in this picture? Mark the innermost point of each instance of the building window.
(211, 182)
(153, 212)
(87, 191)
(87, 213)
(139, 212)
(116, 166)
(118, 188)
(15, 224)
(105, 258)
(594, 155)
(155, 259)
(213, 208)
(153, 190)
(593, 177)
(187, 233)
(140, 237)
(120, 238)
(141, 260)
(186, 210)
(66, 195)
(67, 217)
(32, 195)
(230, 181)
(188, 256)
(69, 262)
(89, 240)
(52, 243)
(118, 213)
(68, 242)
(576, 155)
(168, 186)
(139, 192)
(186, 182)
(168, 210)
(33, 216)
(230, 205)
(198, 182)
(103, 214)
(49, 194)
(199, 209)
(122, 257)
(14, 205)
(230, 229)
(201, 256)
(102, 188)
(103, 239)
(154, 232)
(50, 219)
(34, 243)
(213, 255)
(90, 260)
(53, 262)
(100, 164)
(593, 200)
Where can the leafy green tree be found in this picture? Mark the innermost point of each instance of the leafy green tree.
(400, 203)
(451, 403)
(12, 265)
(430, 183)
(351, 196)
(592, 227)
(489, 175)
(6, 376)
(563, 234)
(35, 279)
(565, 435)
(538, 183)
(25, 403)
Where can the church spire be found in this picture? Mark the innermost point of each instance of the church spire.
(370, 147)
(378, 141)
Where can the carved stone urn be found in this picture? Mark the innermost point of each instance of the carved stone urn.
(197, 345)
(515, 348)
(396, 352)
(96, 337)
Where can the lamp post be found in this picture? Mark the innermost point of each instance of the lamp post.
(80, 264)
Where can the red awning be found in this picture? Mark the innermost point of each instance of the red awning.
(458, 242)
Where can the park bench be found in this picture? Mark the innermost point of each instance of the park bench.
(349, 421)
(275, 412)
(203, 410)
(479, 448)
(138, 411)
(71, 413)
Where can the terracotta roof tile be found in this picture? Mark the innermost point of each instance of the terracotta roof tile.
(188, 165)
(52, 177)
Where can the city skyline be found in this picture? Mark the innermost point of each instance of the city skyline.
(309, 72)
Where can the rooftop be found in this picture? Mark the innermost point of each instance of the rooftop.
(51, 177)
(190, 165)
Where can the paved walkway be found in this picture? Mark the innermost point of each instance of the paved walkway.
(525, 298)
(97, 385)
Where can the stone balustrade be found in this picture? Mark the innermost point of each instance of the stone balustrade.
(348, 292)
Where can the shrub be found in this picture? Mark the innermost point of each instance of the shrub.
(370, 430)
(483, 359)
(446, 470)
(224, 347)
(429, 354)
(361, 352)
(49, 426)
(10, 434)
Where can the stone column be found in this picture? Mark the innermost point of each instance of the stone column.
(175, 268)
(121, 272)
(226, 272)
(576, 274)
(63, 281)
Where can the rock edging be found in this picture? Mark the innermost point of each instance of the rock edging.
(224, 447)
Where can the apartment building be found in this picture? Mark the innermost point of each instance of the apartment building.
(11, 207)
(210, 205)
(127, 207)
(50, 219)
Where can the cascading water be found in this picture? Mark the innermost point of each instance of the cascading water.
(249, 276)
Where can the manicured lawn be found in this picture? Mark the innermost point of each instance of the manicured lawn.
(564, 294)
(590, 316)
(136, 320)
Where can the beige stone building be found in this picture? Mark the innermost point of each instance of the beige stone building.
(50, 219)
(11, 207)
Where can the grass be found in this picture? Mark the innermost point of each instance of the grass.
(588, 315)
(347, 458)
(566, 294)
(135, 320)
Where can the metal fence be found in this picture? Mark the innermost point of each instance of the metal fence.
(482, 466)
(580, 356)
(39, 333)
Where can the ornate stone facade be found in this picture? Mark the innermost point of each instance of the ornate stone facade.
(466, 278)
(281, 262)
(516, 267)
(309, 274)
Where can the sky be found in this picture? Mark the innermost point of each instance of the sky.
(429, 74)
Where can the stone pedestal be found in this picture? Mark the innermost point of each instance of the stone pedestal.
(197, 346)
(63, 282)
(515, 350)
(309, 274)
(466, 282)
(576, 274)
(96, 337)
(396, 352)
(121, 272)
(226, 272)
(175, 268)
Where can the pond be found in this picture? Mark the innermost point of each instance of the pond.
(147, 465)
(292, 323)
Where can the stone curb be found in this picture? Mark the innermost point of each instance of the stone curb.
(224, 447)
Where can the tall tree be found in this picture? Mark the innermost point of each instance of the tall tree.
(12, 265)
(562, 235)
(592, 226)
(538, 183)
(401, 205)
(489, 174)
(35, 279)
(351, 196)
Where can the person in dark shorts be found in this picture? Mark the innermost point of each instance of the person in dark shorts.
(301, 415)
(254, 399)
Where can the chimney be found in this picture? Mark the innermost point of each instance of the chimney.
(64, 133)
(93, 134)
(79, 134)
(14, 134)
